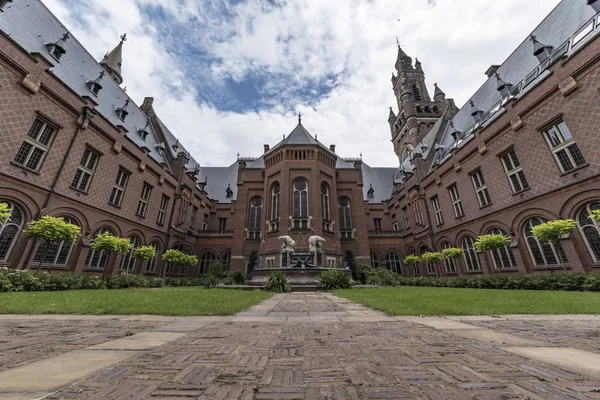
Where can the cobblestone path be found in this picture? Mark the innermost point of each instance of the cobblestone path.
(317, 346)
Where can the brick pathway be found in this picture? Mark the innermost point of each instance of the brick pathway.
(316, 346)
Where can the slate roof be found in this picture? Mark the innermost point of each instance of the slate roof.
(218, 179)
(380, 179)
(31, 25)
(300, 137)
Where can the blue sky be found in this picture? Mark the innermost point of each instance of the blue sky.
(230, 76)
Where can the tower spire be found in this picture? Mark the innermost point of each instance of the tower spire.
(113, 60)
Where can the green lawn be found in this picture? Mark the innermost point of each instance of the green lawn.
(164, 301)
(448, 301)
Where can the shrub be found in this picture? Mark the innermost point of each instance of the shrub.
(362, 271)
(92, 282)
(5, 284)
(431, 257)
(382, 277)
(334, 279)
(491, 242)
(126, 280)
(239, 277)
(277, 282)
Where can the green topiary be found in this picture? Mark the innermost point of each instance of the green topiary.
(491, 242)
(412, 259)
(452, 252)
(277, 282)
(431, 257)
(144, 253)
(552, 231)
(334, 279)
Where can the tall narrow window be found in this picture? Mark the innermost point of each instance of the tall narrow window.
(274, 223)
(226, 260)
(456, 203)
(374, 260)
(418, 212)
(150, 266)
(430, 266)
(36, 145)
(205, 262)
(406, 218)
(514, 172)
(193, 217)
(10, 229)
(563, 146)
(97, 259)
(55, 254)
(449, 263)
(439, 218)
(345, 218)
(300, 205)
(416, 92)
(377, 224)
(162, 209)
(542, 253)
(183, 210)
(590, 230)
(469, 254)
(327, 225)
(143, 202)
(128, 262)
(85, 171)
(503, 258)
(393, 262)
(116, 196)
(254, 218)
(222, 224)
(481, 190)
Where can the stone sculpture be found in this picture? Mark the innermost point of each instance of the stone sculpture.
(315, 243)
(288, 244)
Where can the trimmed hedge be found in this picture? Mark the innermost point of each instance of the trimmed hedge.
(589, 282)
(27, 281)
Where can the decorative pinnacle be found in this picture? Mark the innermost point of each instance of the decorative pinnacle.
(123, 38)
(299, 118)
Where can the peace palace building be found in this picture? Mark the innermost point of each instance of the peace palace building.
(524, 149)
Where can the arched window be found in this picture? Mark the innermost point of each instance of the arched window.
(226, 260)
(503, 258)
(345, 217)
(255, 217)
(275, 202)
(419, 110)
(374, 260)
(590, 230)
(470, 255)
(449, 263)
(128, 262)
(427, 110)
(150, 266)
(97, 259)
(392, 261)
(10, 229)
(205, 262)
(430, 266)
(56, 253)
(416, 92)
(435, 109)
(325, 211)
(542, 253)
(300, 199)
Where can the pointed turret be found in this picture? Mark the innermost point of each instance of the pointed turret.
(438, 94)
(392, 116)
(403, 61)
(112, 61)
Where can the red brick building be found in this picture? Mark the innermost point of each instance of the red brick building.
(524, 149)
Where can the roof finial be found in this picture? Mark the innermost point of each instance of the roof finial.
(397, 41)
(299, 118)
(123, 38)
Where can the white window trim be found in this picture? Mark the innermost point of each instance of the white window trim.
(483, 196)
(456, 202)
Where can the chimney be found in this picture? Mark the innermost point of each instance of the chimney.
(267, 147)
(332, 147)
(490, 71)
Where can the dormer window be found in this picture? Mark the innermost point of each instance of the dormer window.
(3, 3)
(95, 85)
(229, 192)
(122, 112)
(143, 132)
(371, 192)
(57, 49)
(476, 113)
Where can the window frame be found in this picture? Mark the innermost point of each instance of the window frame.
(449, 263)
(162, 209)
(437, 210)
(541, 247)
(142, 207)
(254, 231)
(118, 189)
(456, 201)
(345, 217)
(35, 144)
(514, 169)
(83, 170)
(193, 216)
(8, 222)
(481, 190)
(591, 224)
(60, 246)
(406, 217)
(496, 254)
(563, 142)
(467, 244)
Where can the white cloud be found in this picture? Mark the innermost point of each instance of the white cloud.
(300, 42)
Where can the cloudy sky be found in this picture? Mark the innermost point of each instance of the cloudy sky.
(228, 76)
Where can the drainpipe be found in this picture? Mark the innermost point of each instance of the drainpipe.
(86, 115)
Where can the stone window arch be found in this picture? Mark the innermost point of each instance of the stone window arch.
(10, 228)
(427, 110)
(150, 266)
(419, 110)
(98, 259)
(57, 253)
(300, 198)
(435, 109)
(205, 261)
(449, 263)
(345, 214)
(590, 230)
(503, 258)
(542, 253)
(393, 263)
(129, 262)
(467, 245)
(254, 218)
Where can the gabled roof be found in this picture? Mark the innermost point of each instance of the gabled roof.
(300, 137)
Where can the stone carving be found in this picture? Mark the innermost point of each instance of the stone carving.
(288, 244)
(315, 243)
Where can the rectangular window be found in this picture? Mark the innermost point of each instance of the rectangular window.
(514, 172)
(330, 262)
(565, 150)
(222, 224)
(481, 190)
(418, 213)
(162, 209)
(439, 218)
(377, 222)
(118, 190)
(406, 218)
(456, 203)
(36, 145)
(183, 211)
(395, 226)
(193, 217)
(144, 197)
(85, 171)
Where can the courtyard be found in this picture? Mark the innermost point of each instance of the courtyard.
(300, 346)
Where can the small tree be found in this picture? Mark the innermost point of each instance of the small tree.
(491, 242)
(109, 243)
(433, 258)
(173, 256)
(51, 230)
(190, 260)
(144, 253)
(452, 252)
(412, 259)
(595, 215)
(552, 231)
(4, 211)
